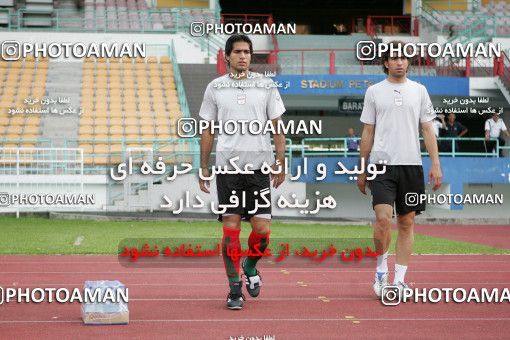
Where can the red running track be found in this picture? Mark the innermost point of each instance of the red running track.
(297, 303)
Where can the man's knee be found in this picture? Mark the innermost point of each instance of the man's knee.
(382, 223)
(260, 225)
(232, 221)
(406, 222)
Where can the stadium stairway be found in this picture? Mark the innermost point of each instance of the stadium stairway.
(195, 78)
(69, 13)
(505, 90)
(64, 81)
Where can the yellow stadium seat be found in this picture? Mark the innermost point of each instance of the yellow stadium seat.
(116, 147)
(115, 82)
(164, 60)
(129, 84)
(161, 121)
(31, 129)
(87, 148)
(115, 114)
(101, 121)
(101, 148)
(86, 136)
(17, 121)
(115, 106)
(86, 129)
(101, 129)
(146, 122)
(164, 135)
(116, 129)
(101, 114)
(152, 60)
(101, 137)
(131, 121)
(131, 129)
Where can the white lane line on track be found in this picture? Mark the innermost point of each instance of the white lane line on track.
(266, 271)
(268, 320)
(293, 284)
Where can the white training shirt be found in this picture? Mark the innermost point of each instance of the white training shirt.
(495, 128)
(397, 110)
(227, 99)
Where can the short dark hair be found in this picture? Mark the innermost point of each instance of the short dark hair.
(229, 45)
(386, 55)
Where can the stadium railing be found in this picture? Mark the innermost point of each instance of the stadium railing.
(324, 61)
(392, 25)
(154, 20)
(504, 70)
(5, 18)
(471, 24)
(181, 93)
(338, 147)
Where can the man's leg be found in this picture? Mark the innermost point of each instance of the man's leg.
(258, 240)
(404, 246)
(501, 143)
(382, 239)
(382, 228)
(229, 242)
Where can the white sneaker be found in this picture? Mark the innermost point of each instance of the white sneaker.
(401, 287)
(381, 280)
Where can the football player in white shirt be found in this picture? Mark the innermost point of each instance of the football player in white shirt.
(393, 111)
(232, 98)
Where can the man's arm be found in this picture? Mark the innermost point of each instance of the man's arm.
(431, 145)
(206, 143)
(505, 130)
(279, 145)
(443, 123)
(464, 130)
(367, 141)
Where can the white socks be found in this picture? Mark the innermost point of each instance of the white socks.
(382, 263)
(400, 273)
(382, 267)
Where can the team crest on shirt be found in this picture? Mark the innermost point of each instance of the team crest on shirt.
(399, 100)
(241, 99)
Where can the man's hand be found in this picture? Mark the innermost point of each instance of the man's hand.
(362, 183)
(436, 175)
(204, 185)
(279, 177)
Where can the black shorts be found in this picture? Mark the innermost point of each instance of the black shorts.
(251, 186)
(400, 185)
